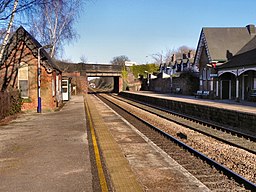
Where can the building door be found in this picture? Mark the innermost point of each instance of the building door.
(246, 87)
(65, 90)
(225, 89)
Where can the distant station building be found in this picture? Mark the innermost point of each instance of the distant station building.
(130, 63)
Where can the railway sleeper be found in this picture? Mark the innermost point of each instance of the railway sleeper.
(211, 175)
(221, 184)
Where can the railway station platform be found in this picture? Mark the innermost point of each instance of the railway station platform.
(135, 163)
(46, 152)
(242, 106)
(240, 116)
(52, 152)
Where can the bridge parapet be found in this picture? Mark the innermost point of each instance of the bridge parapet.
(101, 68)
(91, 69)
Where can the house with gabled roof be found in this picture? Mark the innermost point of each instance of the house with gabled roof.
(178, 65)
(20, 68)
(178, 76)
(217, 46)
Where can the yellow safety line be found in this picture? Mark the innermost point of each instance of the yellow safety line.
(101, 175)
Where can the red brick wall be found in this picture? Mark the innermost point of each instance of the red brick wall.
(81, 82)
(47, 99)
(23, 54)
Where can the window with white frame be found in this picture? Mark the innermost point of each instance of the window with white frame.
(23, 80)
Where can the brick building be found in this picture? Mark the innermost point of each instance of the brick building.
(19, 70)
(76, 75)
(226, 61)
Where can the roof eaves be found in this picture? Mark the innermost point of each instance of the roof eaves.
(22, 35)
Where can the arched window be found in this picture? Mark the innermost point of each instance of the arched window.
(23, 80)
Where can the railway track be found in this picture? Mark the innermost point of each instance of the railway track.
(202, 167)
(224, 134)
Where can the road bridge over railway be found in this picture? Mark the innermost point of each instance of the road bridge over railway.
(93, 70)
(102, 70)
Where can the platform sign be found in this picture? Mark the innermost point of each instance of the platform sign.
(65, 90)
(214, 75)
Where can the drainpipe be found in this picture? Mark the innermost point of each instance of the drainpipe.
(237, 86)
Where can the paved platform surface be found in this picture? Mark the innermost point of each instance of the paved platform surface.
(242, 106)
(133, 161)
(119, 170)
(46, 152)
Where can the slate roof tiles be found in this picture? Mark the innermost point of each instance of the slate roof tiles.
(224, 41)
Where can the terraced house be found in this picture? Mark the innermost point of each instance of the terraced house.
(23, 57)
(227, 62)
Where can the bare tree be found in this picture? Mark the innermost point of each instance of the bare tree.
(183, 50)
(54, 23)
(158, 57)
(119, 60)
(7, 34)
(165, 57)
(168, 55)
(83, 59)
(6, 7)
(8, 10)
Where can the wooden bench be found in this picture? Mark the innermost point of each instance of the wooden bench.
(177, 90)
(206, 94)
(202, 94)
(198, 93)
(253, 95)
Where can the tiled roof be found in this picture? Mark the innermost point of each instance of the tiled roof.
(244, 58)
(249, 46)
(224, 41)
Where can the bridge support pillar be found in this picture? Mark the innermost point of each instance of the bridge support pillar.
(118, 84)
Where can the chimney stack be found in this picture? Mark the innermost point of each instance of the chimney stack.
(173, 57)
(190, 54)
(251, 29)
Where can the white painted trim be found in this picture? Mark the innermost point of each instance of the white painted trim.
(217, 88)
(202, 43)
(236, 71)
(237, 87)
(229, 92)
(243, 87)
(211, 83)
(221, 90)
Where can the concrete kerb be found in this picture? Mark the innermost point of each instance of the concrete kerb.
(121, 175)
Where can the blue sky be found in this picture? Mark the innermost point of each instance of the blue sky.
(139, 28)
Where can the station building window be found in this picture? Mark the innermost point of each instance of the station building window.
(23, 80)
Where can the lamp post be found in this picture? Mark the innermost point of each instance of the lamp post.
(146, 59)
(39, 102)
(147, 79)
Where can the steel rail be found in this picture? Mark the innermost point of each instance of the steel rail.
(186, 125)
(218, 127)
(238, 178)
